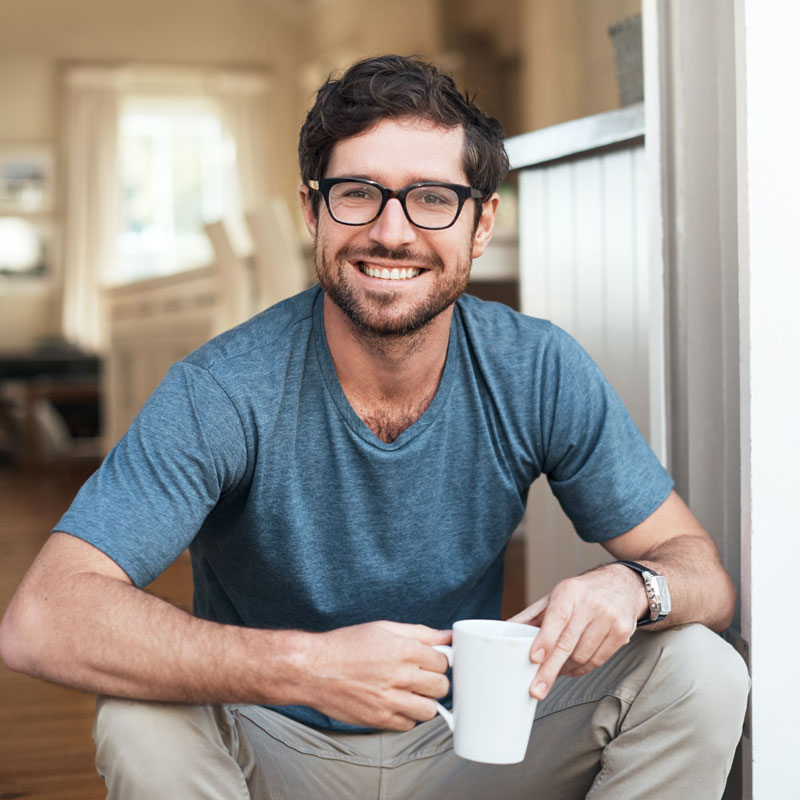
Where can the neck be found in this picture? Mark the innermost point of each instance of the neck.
(389, 381)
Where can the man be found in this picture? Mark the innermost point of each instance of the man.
(347, 469)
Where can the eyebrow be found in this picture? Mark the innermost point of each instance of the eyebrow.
(415, 180)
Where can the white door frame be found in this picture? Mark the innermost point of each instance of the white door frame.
(721, 82)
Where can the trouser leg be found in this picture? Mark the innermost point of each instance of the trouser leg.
(150, 751)
(161, 751)
(661, 719)
(680, 731)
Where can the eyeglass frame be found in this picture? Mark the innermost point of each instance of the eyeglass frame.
(464, 193)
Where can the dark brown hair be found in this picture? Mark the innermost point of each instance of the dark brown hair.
(392, 87)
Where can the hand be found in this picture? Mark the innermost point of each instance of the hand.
(583, 622)
(379, 674)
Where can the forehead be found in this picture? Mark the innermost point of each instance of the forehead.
(396, 152)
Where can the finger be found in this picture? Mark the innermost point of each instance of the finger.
(432, 660)
(430, 684)
(593, 650)
(413, 706)
(551, 666)
(531, 612)
(606, 648)
(416, 653)
(422, 633)
(587, 648)
(557, 639)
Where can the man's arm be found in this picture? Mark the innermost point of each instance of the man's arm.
(77, 620)
(586, 619)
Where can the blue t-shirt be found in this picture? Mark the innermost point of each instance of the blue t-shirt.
(297, 516)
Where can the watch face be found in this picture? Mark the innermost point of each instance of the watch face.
(664, 601)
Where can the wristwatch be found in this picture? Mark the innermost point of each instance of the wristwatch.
(657, 593)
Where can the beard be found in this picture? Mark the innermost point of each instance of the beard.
(378, 312)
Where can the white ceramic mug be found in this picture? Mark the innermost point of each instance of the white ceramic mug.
(492, 675)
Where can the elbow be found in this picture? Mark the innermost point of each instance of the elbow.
(9, 645)
(17, 632)
(727, 607)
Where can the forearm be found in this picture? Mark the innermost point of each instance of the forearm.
(98, 634)
(675, 544)
(700, 589)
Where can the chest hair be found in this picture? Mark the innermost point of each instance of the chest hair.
(387, 420)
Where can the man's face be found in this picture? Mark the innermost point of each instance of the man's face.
(436, 263)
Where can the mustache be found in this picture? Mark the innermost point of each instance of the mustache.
(427, 260)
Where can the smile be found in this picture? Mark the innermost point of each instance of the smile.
(386, 274)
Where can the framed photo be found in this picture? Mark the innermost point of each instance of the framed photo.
(26, 179)
(26, 246)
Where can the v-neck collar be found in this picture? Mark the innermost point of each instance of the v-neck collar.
(349, 416)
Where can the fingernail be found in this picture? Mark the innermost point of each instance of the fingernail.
(540, 690)
(538, 656)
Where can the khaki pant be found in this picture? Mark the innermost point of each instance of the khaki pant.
(660, 720)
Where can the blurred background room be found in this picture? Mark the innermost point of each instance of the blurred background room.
(148, 201)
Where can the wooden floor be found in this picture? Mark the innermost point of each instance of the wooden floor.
(46, 749)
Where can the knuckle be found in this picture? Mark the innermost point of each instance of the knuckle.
(428, 713)
(622, 630)
(579, 659)
(384, 715)
(595, 661)
(565, 643)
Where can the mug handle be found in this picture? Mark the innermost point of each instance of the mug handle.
(446, 715)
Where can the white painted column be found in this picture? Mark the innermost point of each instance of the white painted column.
(768, 133)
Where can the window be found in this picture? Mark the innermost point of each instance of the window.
(177, 171)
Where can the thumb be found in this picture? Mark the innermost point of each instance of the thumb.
(529, 614)
(422, 633)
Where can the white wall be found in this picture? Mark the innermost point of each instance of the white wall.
(769, 173)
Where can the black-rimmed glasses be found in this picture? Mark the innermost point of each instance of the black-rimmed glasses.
(428, 204)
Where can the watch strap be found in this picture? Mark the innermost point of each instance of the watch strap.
(635, 565)
(641, 569)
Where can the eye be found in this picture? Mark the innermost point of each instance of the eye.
(433, 198)
(356, 194)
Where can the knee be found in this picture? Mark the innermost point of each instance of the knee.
(705, 675)
(137, 736)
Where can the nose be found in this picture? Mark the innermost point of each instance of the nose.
(392, 228)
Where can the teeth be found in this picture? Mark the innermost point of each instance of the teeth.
(393, 275)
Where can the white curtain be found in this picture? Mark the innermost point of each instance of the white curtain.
(91, 213)
(244, 98)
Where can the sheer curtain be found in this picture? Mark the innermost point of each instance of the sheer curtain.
(244, 99)
(91, 217)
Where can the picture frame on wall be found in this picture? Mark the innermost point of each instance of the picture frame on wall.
(26, 246)
(26, 179)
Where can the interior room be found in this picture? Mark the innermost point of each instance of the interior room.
(149, 201)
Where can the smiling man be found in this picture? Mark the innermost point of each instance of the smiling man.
(347, 469)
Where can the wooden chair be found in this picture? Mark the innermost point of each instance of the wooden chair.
(236, 295)
(280, 269)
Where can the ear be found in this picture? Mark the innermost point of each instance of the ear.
(311, 219)
(483, 234)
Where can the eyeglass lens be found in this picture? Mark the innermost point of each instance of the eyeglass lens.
(358, 203)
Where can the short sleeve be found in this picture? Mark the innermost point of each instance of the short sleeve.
(151, 495)
(599, 466)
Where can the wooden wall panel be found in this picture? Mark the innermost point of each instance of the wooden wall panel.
(583, 265)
